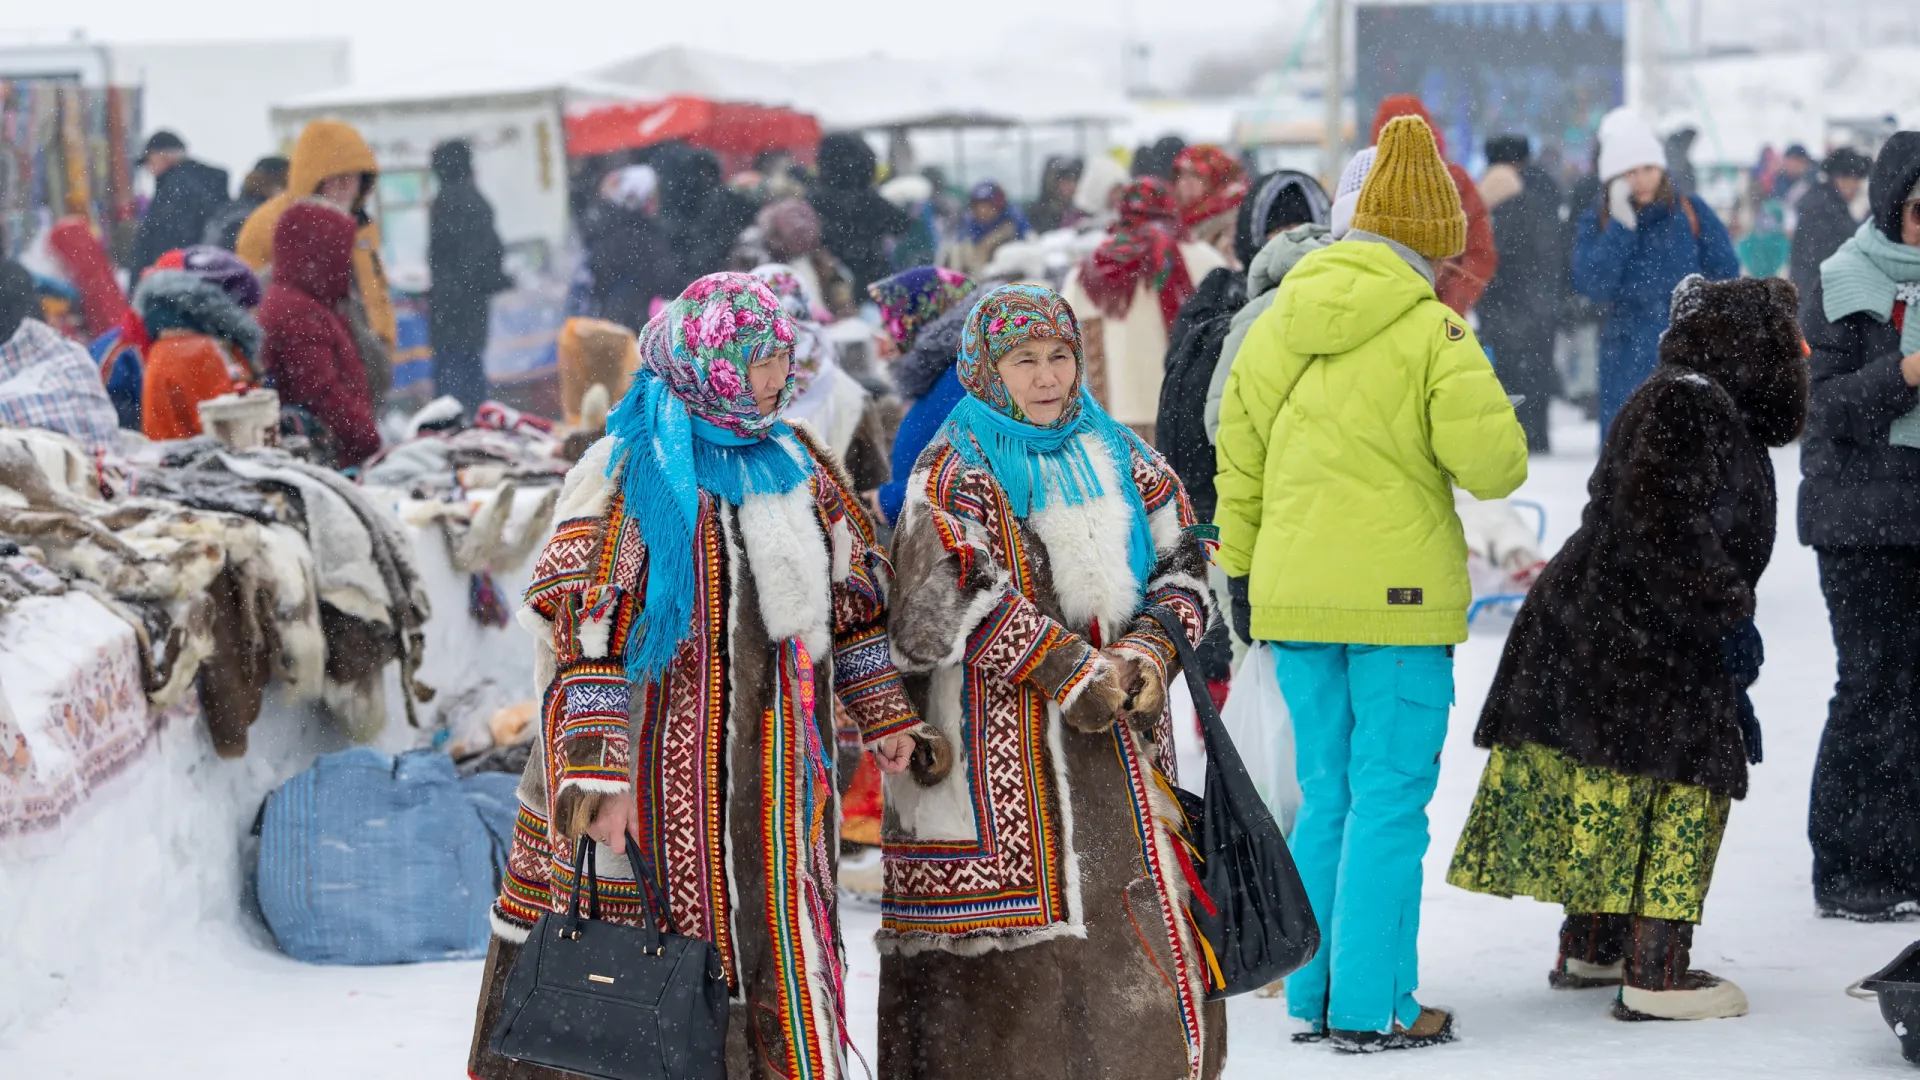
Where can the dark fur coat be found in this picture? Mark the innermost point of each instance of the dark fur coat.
(1618, 656)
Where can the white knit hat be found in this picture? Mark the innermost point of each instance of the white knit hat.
(1098, 178)
(1347, 196)
(1626, 143)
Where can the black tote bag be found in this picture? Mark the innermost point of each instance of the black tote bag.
(614, 1002)
(1255, 914)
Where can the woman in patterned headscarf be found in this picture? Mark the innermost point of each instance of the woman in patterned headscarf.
(922, 311)
(708, 581)
(1210, 184)
(1128, 292)
(1037, 533)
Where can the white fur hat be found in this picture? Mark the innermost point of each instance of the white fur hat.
(1347, 195)
(1626, 143)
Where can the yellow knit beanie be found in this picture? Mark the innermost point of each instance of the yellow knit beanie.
(1409, 196)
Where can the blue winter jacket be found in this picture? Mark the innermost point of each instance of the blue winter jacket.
(1633, 272)
(917, 429)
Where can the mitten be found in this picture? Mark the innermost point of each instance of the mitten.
(1097, 702)
(1237, 599)
(1620, 203)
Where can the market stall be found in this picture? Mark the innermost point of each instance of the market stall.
(65, 149)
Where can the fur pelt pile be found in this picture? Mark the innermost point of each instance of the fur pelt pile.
(233, 570)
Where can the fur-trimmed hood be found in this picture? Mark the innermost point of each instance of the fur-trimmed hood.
(1745, 336)
(178, 300)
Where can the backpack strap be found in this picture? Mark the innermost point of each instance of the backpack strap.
(1693, 218)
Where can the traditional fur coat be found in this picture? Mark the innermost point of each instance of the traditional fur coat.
(722, 750)
(1034, 923)
(1618, 659)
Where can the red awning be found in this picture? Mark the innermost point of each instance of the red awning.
(735, 132)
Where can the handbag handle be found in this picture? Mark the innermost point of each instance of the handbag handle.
(585, 863)
(1213, 731)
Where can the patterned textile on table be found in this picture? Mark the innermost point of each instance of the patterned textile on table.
(1011, 878)
(673, 734)
(47, 381)
(70, 725)
(1589, 838)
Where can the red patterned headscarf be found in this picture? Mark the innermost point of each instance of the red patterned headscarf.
(1226, 181)
(1142, 245)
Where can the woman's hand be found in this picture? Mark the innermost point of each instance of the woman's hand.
(1910, 369)
(894, 753)
(605, 818)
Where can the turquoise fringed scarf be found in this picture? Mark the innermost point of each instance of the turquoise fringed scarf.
(1039, 466)
(1871, 273)
(689, 424)
(663, 460)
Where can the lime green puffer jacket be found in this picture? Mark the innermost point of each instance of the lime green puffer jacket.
(1354, 403)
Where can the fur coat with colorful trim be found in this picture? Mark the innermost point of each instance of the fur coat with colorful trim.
(700, 749)
(1035, 897)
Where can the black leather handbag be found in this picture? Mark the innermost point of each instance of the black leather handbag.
(1255, 914)
(614, 1002)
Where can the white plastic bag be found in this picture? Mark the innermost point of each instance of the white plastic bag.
(1257, 719)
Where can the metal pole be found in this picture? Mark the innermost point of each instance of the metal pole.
(1333, 138)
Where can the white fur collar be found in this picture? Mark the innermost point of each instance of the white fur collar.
(790, 561)
(780, 534)
(587, 487)
(1087, 552)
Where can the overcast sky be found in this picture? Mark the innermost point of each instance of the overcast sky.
(392, 37)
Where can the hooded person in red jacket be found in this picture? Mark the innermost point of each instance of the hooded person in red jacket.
(309, 350)
(1459, 281)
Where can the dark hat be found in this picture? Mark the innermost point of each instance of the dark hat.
(161, 142)
(1508, 150)
(217, 266)
(272, 165)
(1798, 151)
(1895, 172)
(1847, 161)
(1279, 198)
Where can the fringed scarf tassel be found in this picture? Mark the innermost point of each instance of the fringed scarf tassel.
(1039, 467)
(665, 458)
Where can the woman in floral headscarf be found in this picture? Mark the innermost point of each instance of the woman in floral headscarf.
(708, 581)
(1037, 533)
(1210, 184)
(1128, 292)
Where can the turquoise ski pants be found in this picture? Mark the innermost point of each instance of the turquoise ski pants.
(1368, 723)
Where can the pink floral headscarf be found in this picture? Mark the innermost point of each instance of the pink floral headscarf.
(702, 344)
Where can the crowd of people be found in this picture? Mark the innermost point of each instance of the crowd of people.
(881, 449)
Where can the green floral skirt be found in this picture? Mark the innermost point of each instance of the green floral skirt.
(1594, 840)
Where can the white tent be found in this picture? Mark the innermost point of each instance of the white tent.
(514, 121)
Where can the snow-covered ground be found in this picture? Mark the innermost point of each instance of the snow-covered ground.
(205, 999)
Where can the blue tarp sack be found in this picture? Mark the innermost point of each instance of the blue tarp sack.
(367, 858)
